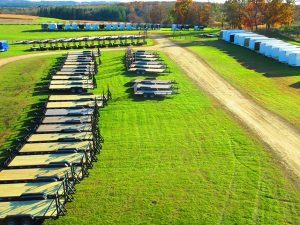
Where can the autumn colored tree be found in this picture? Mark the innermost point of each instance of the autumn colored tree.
(253, 13)
(277, 12)
(181, 9)
(156, 13)
(234, 12)
(205, 14)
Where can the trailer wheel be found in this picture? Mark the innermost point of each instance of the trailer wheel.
(11, 221)
(26, 221)
(152, 96)
(145, 95)
(79, 90)
(73, 90)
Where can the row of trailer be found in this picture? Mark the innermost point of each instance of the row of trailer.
(85, 42)
(271, 47)
(144, 62)
(175, 27)
(98, 26)
(40, 175)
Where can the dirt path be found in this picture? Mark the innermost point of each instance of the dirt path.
(279, 135)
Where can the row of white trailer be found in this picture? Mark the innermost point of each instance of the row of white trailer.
(271, 47)
(97, 26)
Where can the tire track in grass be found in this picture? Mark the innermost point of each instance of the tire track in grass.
(229, 190)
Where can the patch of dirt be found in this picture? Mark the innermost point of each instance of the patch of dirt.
(16, 16)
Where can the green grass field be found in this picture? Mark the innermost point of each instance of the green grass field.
(272, 84)
(179, 160)
(20, 84)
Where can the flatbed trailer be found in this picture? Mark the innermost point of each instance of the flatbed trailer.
(29, 212)
(143, 62)
(69, 112)
(82, 97)
(54, 137)
(71, 82)
(70, 77)
(63, 128)
(79, 63)
(146, 70)
(63, 73)
(71, 87)
(152, 81)
(13, 191)
(55, 147)
(66, 119)
(47, 174)
(152, 90)
(147, 66)
(46, 160)
(70, 104)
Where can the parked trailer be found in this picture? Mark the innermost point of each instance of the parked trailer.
(275, 49)
(284, 54)
(3, 45)
(228, 35)
(152, 90)
(294, 58)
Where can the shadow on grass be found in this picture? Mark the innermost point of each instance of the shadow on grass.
(249, 59)
(26, 123)
(296, 85)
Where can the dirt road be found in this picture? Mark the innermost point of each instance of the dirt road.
(282, 138)
(279, 135)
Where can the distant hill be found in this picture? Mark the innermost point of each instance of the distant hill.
(25, 4)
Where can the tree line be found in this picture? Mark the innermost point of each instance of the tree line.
(233, 13)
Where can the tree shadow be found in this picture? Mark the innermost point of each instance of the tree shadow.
(249, 59)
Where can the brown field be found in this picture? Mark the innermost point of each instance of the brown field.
(19, 17)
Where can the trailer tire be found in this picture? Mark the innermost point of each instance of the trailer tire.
(152, 96)
(26, 221)
(145, 95)
(11, 221)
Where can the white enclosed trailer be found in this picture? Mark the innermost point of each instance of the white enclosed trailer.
(254, 42)
(294, 58)
(284, 54)
(228, 35)
(264, 44)
(238, 37)
(276, 49)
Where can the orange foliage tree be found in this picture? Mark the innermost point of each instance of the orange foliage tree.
(181, 9)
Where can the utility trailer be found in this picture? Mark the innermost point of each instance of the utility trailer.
(153, 90)
(152, 80)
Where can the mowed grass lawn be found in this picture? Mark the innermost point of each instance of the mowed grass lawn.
(181, 160)
(272, 84)
(20, 93)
